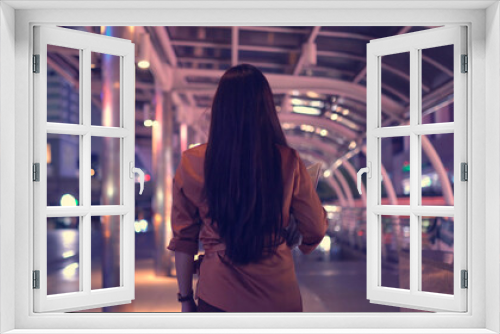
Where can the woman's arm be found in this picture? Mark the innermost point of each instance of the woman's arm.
(307, 209)
(184, 268)
(186, 227)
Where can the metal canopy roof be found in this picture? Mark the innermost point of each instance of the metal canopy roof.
(334, 87)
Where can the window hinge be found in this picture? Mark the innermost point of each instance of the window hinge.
(465, 64)
(36, 172)
(36, 279)
(465, 279)
(464, 168)
(36, 63)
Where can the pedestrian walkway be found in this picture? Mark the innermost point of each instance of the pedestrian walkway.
(159, 293)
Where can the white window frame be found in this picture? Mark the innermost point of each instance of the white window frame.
(413, 44)
(484, 50)
(85, 43)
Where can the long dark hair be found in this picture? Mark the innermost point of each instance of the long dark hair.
(243, 178)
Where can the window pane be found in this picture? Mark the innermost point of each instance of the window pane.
(63, 256)
(63, 75)
(437, 188)
(105, 251)
(395, 157)
(105, 170)
(63, 170)
(437, 254)
(437, 84)
(105, 89)
(395, 251)
(395, 78)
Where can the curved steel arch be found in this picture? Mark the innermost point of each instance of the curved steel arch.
(282, 83)
(436, 162)
(334, 184)
(309, 143)
(345, 187)
(310, 155)
(315, 121)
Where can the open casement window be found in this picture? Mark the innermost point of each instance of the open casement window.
(400, 230)
(64, 136)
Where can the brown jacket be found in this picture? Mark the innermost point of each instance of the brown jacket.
(267, 286)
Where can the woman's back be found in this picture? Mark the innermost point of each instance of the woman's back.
(266, 285)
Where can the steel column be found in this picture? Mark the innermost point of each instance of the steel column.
(163, 174)
(110, 166)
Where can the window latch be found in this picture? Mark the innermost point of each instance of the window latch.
(134, 170)
(368, 171)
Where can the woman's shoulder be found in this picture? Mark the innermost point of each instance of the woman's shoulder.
(288, 153)
(191, 164)
(196, 151)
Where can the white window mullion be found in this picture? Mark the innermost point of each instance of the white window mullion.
(81, 186)
(373, 272)
(393, 210)
(435, 211)
(415, 166)
(460, 156)
(96, 210)
(85, 176)
(107, 131)
(68, 129)
(433, 128)
(392, 131)
(127, 243)
(40, 156)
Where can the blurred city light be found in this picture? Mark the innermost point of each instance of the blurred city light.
(69, 236)
(141, 226)
(307, 128)
(144, 64)
(288, 126)
(322, 132)
(332, 208)
(144, 51)
(426, 181)
(325, 244)
(68, 200)
(49, 153)
(67, 254)
(69, 272)
(312, 94)
(306, 110)
(308, 103)
(193, 145)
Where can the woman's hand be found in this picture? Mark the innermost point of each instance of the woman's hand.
(189, 306)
